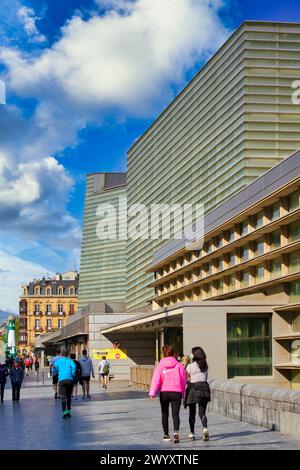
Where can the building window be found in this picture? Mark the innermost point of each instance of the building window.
(72, 291)
(294, 201)
(48, 309)
(49, 324)
(71, 309)
(244, 228)
(260, 273)
(60, 309)
(249, 347)
(48, 291)
(294, 232)
(275, 268)
(294, 261)
(60, 291)
(60, 323)
(296, 322)
(232, 282)
(259, 219)
(275, 240)
(36, 308)
(245, 253)
(232, 258)
(37, 291)
(259, 247)
(275, 210)
(295, 291)
(231, 235)
(36, 324)
(245, 278)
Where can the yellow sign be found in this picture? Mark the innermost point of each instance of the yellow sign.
(110, 354)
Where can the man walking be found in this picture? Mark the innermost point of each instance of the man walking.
(104, 368)
(53, 374)
(87, 369)
(16, 378)
(65, 369)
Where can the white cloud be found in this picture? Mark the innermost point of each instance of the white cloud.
(28, 18)
(13, 273)
(124, 62)
(126, 59)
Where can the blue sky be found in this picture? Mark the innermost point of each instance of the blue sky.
(84, 79)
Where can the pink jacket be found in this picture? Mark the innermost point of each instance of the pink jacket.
(169, 376)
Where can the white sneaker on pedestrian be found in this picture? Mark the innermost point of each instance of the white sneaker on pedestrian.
(205, 434)
(166, 438)
(192, 436)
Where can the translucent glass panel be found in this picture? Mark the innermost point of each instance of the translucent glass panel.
(232, 282)
(260, 273)
(245, 278)
(249, 347)
(296, 322)
(275, 240)
(294, 231)
(294, 201)
(275, 210)
(275, 268)
(259, 219)
(245, 253)
(294, 261)
(295, 291)
(259, 246)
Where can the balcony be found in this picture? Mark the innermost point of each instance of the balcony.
(38, 329)
(37, 314)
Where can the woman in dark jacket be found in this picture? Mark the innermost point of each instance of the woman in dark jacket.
(3, 376)
(198, 391)
(16, 378)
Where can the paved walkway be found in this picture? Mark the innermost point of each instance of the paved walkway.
(119, 418)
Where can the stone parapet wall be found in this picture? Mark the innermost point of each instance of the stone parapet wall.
(277, 409)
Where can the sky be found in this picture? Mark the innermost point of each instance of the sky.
(84, 79)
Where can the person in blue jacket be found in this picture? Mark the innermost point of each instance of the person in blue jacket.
(66, 370)
(16, 378)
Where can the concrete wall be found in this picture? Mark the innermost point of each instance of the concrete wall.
(205, 325)
(140, 346)
(276, 409)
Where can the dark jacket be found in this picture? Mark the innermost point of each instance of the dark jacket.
(198, 392)
(78, 371)
(3, 373)
(16, 375)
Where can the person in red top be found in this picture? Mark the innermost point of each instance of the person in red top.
(170, 378)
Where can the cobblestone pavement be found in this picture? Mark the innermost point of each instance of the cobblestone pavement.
(117, 418)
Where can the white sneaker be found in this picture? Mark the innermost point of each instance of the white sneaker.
(166, 438)
(192, 436)
(205, 434)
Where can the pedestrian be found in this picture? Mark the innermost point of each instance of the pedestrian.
(31, 362)
(198, 391)
(170, 378)
(54, 375)
(77, 375)
(37, 365)
(185, 360)
(104, 368)
(65, 369)
(3, 376)
(27, 365)
(87, 369)
(16, 378)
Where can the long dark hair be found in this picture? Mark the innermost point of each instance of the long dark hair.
(199, 356)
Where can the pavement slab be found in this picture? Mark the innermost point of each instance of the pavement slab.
(120, 418)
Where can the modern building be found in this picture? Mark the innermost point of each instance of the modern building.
(229, 125)
(83, 331)
(103, 261)
(45, 305)
(239, 295)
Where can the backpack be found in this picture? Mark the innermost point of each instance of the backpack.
(27, 363)
(105, 369)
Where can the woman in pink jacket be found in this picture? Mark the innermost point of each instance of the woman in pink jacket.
(170, 378)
